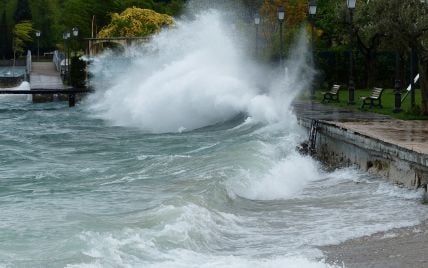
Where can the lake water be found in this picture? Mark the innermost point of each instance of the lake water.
(188, 160)
(12, 71)
(77, 192)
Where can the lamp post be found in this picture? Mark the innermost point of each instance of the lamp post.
(75, 31)
(312, 11)
(257, 22)
(397, 86)
(351, 85)
(281, 17)
(38, 33)
(413, 72)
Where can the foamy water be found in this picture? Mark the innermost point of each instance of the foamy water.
(183, 158)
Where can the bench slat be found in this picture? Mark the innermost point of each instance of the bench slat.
(332, 94)
(374, 96)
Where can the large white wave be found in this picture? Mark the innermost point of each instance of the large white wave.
(193, 75)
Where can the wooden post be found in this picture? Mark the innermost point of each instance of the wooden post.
(71, 100)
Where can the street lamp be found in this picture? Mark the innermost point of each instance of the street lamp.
(257, 22)
(312, 8)
(397, 86)
(312, 11)
(75, 31)
(38, 33)
(351, 85)
(281, 17)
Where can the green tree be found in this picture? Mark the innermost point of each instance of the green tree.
(21, 36)
(406, 23)
(45, 19)
(22, 11)
(368, 38)
(4, 33)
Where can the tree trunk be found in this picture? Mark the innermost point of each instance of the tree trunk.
(423, 82)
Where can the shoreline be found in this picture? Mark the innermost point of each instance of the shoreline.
(395, 248)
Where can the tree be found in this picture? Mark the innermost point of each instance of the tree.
(135, 22)
(296, 14)
(21, 35)
(368, 38)
(406, 22)
(4, 33)
(329, 23)
(45, 19)
(22, 12)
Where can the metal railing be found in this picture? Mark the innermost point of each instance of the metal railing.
(57, 58)
(28, 66)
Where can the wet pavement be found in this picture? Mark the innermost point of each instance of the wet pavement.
(410, 134)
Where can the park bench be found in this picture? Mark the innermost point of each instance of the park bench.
(332, 95)
(375, 99)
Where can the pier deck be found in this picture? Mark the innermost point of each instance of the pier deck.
(44, 75)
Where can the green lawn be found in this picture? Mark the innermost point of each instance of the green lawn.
(387, 103)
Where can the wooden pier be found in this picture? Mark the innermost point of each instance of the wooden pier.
(45, 79)
(70, 92)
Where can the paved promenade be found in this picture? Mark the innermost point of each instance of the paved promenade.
(412, 135)
(44, 75)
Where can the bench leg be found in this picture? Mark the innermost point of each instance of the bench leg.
(327, 97)
(364, 104)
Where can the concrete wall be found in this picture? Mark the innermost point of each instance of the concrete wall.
(341, 147)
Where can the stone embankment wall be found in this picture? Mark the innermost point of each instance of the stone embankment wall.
(337, 146)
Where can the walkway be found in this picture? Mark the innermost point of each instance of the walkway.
(412, 135)
(44, 75)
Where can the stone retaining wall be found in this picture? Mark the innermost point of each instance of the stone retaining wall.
(338, 146)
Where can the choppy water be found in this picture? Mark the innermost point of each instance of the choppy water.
(12, 71)
(77, 192)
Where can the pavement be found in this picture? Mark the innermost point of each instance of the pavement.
(410, 134)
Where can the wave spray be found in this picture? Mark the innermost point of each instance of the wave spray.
(194, 75)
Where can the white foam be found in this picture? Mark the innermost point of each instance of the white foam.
(23, 86)
(181, 258)
(195, 75)
(286, 179)
(399, 192)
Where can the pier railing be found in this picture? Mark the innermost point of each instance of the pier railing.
(57, 58)
(28, 66)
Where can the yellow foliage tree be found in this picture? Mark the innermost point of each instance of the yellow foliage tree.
(295, 14)
(135, 22)
(21, 35)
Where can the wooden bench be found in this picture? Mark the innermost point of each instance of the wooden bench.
(375, 99)
(332, 95)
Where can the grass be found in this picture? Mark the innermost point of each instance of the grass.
(388, 100)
